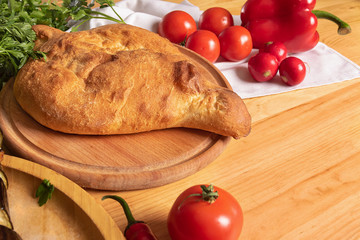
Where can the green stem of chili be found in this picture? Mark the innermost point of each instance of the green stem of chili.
(130, 218)
(344, 28)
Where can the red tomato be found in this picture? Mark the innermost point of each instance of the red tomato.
(216, 19)
(177, 26)
(263, 66)
(292, 71)
(277, 49)
(235, 43)
(193, 218)
(204, 43)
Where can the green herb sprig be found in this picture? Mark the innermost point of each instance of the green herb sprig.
(44, 192)
(17, 37)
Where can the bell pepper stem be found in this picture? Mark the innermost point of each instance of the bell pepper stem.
(130, 218)
(344, 28)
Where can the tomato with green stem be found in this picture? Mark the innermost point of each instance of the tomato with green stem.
(204, 43)
(235, 43)
(206, 213)
(216, 19)
(177, 26)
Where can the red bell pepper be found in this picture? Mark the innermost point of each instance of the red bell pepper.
(292, 22)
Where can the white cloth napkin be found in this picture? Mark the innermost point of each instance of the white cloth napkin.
(324, 65)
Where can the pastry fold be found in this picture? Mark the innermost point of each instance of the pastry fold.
(121, 79)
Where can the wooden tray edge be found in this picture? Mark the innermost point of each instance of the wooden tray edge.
(95, 211)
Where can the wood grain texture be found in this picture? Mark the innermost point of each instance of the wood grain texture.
(296, 175)
(115, 162)
(71, 213)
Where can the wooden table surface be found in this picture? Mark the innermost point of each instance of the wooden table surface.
(297, 175)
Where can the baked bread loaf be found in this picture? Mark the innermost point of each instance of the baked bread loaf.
(121, 79)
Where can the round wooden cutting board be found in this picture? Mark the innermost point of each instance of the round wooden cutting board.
(116, 162)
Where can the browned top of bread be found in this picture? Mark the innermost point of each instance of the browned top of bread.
(119, 79)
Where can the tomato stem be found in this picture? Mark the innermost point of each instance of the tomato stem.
(184, 41)
(208, 194)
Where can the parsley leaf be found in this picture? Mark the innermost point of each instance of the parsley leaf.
(17, 17)
(44, 192)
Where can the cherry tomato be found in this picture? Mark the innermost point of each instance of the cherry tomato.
(176, 26)
(193, 217)
(235, 43)
(277, 49)
(292, 70)
(204, 43)
(263, 66)
(215, 19)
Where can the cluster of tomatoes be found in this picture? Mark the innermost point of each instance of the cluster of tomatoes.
(273, 58)
(215, 35)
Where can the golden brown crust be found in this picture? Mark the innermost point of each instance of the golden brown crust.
(119, 79)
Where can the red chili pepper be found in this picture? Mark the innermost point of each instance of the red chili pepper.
(292, 22)
(135, 230)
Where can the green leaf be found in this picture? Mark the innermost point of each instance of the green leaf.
(44, 192)
(17, 54)
(16, 21)
(37, 14)
(105, 3)
(79, 15)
